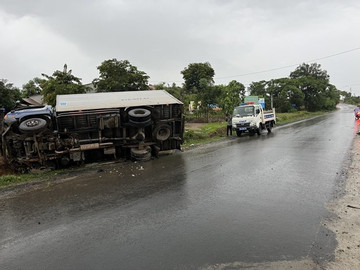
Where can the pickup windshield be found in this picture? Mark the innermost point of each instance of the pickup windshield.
(243, 111)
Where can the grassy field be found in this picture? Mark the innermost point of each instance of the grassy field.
(283, 118)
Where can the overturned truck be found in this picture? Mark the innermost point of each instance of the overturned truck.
(136, 125)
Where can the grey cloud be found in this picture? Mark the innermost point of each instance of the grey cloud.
(162, 37)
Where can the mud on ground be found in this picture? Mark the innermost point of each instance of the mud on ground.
(3, 168)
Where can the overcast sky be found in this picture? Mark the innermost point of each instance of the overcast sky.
(243, 40)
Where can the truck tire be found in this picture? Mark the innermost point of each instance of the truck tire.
(162, 132)
(238, 133)
(32, 125)
(269, 128)
(259, 130)
(139, 116)
(141, 154)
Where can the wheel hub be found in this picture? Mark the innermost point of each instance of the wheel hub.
(32, 123)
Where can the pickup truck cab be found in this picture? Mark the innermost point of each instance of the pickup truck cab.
(252, 118)
(28, 119)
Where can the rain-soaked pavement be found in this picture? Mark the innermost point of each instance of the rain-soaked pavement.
(249, 199)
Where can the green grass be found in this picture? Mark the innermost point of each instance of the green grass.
(284, 118)
(210, 132)
(14, 179)
(11, 179)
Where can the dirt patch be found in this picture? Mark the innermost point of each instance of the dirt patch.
(4, 168)
(194, 126)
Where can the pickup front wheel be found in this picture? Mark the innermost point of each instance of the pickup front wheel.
(32, 125)
(238, 133)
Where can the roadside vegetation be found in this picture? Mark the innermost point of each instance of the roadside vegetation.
(8, 180)
(11, 179)
(15, 179)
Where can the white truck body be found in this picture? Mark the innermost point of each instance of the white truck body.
(252, 118)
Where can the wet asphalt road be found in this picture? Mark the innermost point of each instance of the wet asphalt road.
(248, 199)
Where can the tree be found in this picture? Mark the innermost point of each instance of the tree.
(310, 70)
(295, 95)
(319, 94)
(260, 89)
(118, 76)
(60, 83)
(207, 94)
(285, 94)
(8, 95)
(196, 72)
(276, 90)
(231, 96)
(31, 88)
(174, 90)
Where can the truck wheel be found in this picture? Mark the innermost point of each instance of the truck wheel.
(259, 130)
(141, 154)
(162, 132)
(269, 128)
(32, 125)
(238, 133)
(140, 116)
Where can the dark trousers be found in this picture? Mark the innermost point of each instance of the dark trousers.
(229, 128)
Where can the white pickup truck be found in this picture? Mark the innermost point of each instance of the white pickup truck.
(252, 118)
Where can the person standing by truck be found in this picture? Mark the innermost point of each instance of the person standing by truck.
(229, 124)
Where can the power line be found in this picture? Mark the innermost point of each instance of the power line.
(283, 67)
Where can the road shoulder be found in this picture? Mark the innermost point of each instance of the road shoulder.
(346, 221)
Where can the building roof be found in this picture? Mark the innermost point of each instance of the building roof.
(31, 101)
(107, 100)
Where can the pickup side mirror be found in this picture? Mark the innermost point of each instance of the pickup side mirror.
(257, 111)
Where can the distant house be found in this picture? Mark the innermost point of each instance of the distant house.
(90, 88)
(36, 100)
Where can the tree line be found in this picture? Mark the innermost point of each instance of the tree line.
(306, 88)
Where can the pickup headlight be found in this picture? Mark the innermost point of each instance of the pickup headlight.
(9, 119)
